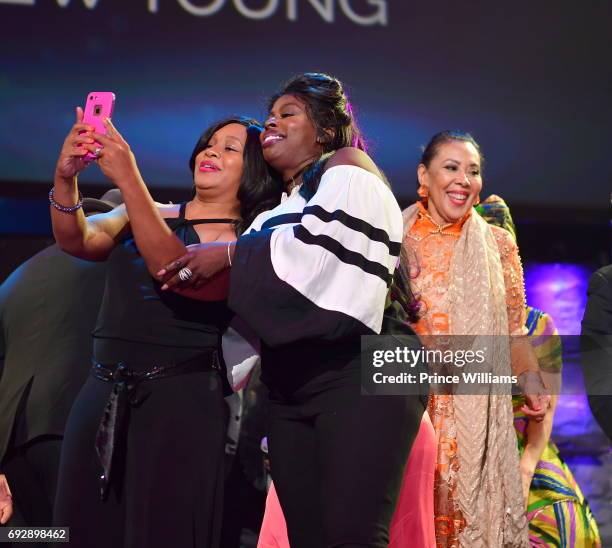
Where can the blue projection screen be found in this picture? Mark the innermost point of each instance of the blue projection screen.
(531, 81)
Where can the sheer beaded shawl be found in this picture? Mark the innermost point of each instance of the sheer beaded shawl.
(489, 490)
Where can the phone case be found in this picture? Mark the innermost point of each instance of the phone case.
(99, 105)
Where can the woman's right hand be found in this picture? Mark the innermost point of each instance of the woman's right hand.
(71, 160)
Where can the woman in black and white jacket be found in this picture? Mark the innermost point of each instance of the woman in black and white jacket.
(310, 277)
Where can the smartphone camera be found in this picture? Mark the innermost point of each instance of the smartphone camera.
(97, 109)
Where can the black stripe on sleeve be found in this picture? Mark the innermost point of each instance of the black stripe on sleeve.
(359, 225)
(285, 218)
(342, 253)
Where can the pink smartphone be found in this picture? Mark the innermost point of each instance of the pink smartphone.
(99, 105)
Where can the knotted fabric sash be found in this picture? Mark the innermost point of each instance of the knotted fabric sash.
(126, 392)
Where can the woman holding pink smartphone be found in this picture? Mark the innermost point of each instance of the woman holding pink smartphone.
(143, 452)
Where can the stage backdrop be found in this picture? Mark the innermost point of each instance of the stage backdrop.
(531, 80)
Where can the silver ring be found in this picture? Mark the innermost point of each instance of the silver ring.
(185, 274)
(97, 151)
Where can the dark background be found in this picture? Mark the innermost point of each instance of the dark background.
(531, 80)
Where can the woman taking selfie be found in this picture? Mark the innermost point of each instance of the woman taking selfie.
(142, 457)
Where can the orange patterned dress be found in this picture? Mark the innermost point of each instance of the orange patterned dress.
(433, 245)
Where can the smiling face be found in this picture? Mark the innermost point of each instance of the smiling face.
(219, 166)
(453, 180)
(289, 140)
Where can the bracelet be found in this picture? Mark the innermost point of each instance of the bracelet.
(229, 257)
(65, 209)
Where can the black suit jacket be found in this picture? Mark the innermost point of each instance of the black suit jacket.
(48, 308)
(596, 347)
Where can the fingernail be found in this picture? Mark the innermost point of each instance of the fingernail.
(161, 272)
(164, 287)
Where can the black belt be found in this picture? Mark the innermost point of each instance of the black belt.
(125, 391)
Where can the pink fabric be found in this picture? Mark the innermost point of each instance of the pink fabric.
(412, 524)
(273, 532)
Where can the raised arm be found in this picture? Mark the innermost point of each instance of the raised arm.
(155, 241)
(89, 238)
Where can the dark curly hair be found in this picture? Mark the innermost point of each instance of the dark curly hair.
(260, 187)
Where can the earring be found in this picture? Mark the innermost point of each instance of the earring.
(423, 192)
(477, 200)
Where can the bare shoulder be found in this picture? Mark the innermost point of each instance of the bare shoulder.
(351, 156)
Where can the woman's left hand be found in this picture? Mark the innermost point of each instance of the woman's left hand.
(198, 265)
(115, 156)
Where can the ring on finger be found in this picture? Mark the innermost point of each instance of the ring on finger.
(97, 152)
(185, 274)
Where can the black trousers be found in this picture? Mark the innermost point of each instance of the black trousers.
(337, 461)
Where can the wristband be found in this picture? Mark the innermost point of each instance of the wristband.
(65, 209)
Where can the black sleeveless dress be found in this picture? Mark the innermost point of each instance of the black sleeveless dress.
(166, 485)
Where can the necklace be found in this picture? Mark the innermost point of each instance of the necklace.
(295, 180)
(292, 183)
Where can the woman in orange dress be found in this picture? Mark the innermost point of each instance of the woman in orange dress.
(468, 278)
